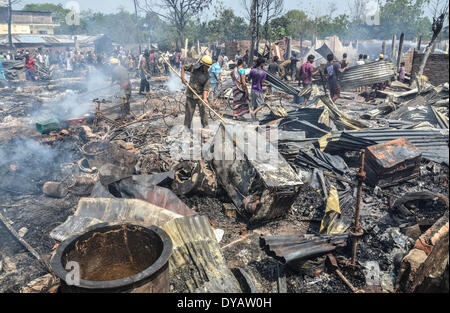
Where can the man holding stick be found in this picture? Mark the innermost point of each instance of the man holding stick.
(200, 83)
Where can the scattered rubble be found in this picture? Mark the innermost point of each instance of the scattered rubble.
(249, 223)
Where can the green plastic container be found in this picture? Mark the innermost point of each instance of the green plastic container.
(48, 126)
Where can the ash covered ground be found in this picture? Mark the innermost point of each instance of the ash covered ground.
(28, 162)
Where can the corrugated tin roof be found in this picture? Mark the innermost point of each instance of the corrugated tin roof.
(29, 38)
(50, 39)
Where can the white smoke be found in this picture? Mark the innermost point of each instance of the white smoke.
(23, 149)
(174, 83)
(71, 104)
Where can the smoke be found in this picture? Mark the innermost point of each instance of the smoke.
(25, 165)
(21, 150)
(72, 104)
(174, 83)
(374, 47)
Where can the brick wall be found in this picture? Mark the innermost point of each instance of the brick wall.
(408, 59)
(32, 17)
(437, 68)
(232, 47)
(426, 265)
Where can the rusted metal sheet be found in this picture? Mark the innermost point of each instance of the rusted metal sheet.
(392, 162)
(194, 177)
(288, 249)
(261, 188)
(367, 74)
(95, 211)
(197, 262)
(433, 143)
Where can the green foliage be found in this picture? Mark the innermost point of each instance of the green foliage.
(226, 26)
(59, 15)
(120, 26)
(57, 9)
(397, 16)
(294, 23)
(403, 16)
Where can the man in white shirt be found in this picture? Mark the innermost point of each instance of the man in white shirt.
(237, 56)
(225, 62)
(360, 60)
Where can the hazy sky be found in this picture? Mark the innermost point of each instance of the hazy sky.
(110, 6)
(312, 7)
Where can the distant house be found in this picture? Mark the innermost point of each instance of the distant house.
(27, 22)
(103, 44)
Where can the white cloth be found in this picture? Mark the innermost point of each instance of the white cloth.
(69, 65)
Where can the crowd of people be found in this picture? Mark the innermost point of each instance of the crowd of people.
(206, 78)
(206, 74)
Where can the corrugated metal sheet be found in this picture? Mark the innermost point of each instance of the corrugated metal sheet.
(288, 249)
(392, 162)
(197, 259)
(432, 143)
(367, 74)
(261, 183)
(92, 211)
(30, 38)
(50, 39)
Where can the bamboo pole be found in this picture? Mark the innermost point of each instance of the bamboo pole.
(400, 50)
(394, 42)
(419, 44)
(30, 249)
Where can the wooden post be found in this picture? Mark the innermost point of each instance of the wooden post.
(394, 41)
(400, 48)
(253, 31)
(10, 43)
(186, 43)
(419, 44)
(288, 48)
(137, 27)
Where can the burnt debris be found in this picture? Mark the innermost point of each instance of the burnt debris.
(281, 202)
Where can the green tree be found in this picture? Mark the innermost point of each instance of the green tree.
(403, 16)
(227, 26)
(59, 17)
(120, 26)
(58, 10)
